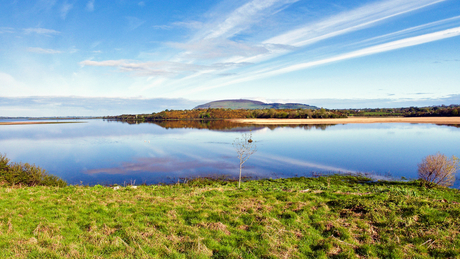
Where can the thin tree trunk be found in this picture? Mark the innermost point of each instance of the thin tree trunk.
(239, 182)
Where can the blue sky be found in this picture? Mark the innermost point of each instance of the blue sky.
(69, 57)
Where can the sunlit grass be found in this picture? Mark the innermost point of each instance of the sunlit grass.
(335, 217)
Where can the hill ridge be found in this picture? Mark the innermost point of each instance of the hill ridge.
(251, 104)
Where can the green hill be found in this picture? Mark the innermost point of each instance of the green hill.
(249, 104)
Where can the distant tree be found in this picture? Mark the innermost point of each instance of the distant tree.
(438, 170)
(244, 147)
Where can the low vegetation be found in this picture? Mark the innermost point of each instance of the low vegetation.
(26, 174)
(324, 217)
(438, 170)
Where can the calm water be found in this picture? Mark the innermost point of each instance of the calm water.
(103, 152)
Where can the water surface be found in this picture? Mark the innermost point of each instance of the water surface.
(108, 152)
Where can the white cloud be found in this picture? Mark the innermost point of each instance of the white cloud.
(91, 106)
(41, 31)
(409, 31)
(9, 86)
(134, 22)
(349, 21)
(345, 22)
(46, 4)
(73, 49)
(6, 30)
(273, 71)
(90, 6)
(189, 24)
(163, 68)
(44, 51)
(244, 16)
(218, 48)
(66, 7)
(408, 42)
(160, 68)
(141, 4)
(162, 27)
(214, 43)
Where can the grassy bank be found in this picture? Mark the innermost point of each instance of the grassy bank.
(336, 217)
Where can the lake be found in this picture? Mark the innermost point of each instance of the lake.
(110, 152)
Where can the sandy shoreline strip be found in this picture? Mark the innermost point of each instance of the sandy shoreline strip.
(36, 122)
(363, 120)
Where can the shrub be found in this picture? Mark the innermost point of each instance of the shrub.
(26, 174)
(438, 170)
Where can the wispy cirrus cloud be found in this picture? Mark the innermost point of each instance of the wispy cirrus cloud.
(437, 25)
(181, 24)
(348, 21)
(340, 24)
(42, 31)
(6, 30)
(211, 42)
(403, 43)
(160, 68)
(90, 6)
(243, 17)
(43, 51)
(398, 44)
(134, 22)
(65, 9)
(218, 48)
(218, 41)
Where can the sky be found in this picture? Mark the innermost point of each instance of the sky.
(95, 57)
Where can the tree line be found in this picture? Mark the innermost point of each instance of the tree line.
(222, 113)
(432, 111)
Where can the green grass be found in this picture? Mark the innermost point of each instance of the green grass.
(325, 217)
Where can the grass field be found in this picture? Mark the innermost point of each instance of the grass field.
(325, 217)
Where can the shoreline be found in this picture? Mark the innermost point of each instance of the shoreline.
(354, 120)
(36, 122)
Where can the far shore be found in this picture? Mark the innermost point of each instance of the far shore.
(359, 120)
(36, 122)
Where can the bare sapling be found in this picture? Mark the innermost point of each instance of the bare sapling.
(244, 147)
(438, 169)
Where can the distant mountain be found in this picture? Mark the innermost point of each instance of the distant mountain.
(252, 105)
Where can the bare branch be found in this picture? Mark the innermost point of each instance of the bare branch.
(244, 147)
(438, 169)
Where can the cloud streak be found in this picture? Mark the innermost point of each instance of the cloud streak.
(6, 30)
(241, 18)
(90, 6)
(134, 22)
(349, 21)
(394, 45)
(161, 68)
(85, 106)
(42, 31)
(44, 51)
(225, 49)
(65, 9)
